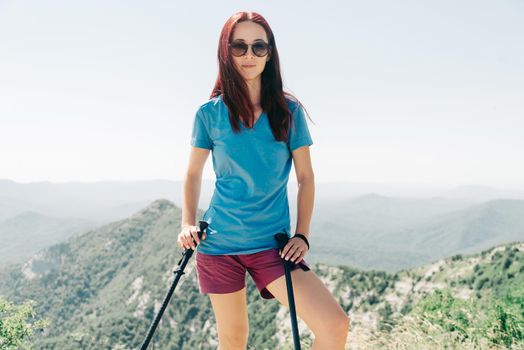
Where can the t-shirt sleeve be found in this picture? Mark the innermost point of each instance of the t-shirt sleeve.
(200, 136)
(299, 133)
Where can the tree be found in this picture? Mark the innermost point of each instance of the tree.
(17, 324)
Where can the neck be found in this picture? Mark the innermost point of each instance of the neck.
(254, 91)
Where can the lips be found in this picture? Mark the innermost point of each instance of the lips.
(248, 65)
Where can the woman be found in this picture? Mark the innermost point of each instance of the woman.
(255, 131)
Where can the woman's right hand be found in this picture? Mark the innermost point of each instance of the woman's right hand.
(188, 236)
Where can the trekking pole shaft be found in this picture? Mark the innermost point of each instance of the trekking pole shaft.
(155, 323)
(178, 272)
(282, 239)
(292, 310)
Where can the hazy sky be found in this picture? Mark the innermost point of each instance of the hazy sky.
(409, 92)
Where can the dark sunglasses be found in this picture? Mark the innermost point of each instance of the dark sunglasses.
(259, 48)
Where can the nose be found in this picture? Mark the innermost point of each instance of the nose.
(250, 59)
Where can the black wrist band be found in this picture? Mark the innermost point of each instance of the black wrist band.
(304, 238)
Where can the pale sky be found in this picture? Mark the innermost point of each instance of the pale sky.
(404, 92)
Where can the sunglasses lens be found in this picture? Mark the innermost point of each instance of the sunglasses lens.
(238, 48)
(260, 49)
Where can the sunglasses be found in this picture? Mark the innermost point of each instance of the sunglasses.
(239, 48)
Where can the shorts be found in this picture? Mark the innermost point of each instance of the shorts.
(227, 273)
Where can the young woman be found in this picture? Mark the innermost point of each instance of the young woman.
(255, 131)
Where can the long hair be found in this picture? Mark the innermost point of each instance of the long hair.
(235, 94)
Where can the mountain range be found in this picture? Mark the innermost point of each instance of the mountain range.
(348, 227)
(101, 288)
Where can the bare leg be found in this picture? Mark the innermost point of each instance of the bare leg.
(232, 320)
(316, 306)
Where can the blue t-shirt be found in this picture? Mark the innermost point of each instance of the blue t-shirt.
(249, 204)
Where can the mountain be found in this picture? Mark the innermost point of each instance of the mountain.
(106, 201)
(36, 215)
(379, 232)
(483, 193)
(28, 232)
(349, 222)
(374, 212)
(464, 231)
(102, 288)
(367, 231)
(102, 201)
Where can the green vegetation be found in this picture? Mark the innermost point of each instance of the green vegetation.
(18, 323)
(102, 289)
(491, 318)
(442, 321)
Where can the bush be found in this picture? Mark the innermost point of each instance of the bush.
(456, 257)
(440, 321)
(507, 263)
(481, 282)
(17, 324)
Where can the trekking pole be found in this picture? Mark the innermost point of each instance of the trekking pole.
(282, 239)
(179, 271)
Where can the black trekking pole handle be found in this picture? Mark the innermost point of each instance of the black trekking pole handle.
(282, 239)
(188, 252)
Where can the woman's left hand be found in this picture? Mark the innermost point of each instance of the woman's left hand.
(295, 249)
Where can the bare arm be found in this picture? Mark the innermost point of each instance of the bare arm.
(306, 189)
(192, 185)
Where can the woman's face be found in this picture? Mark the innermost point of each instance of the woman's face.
(250, 66)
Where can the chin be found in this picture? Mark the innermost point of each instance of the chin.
(251, 77)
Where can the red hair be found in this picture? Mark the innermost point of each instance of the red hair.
(234, 90)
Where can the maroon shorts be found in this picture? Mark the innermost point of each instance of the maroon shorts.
(227, 273)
